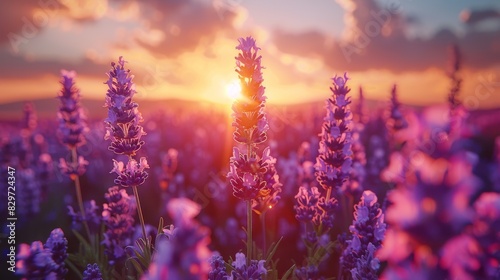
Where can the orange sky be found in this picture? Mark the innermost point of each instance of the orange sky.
(186, 49)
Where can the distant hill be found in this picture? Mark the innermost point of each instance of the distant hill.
(486, 120)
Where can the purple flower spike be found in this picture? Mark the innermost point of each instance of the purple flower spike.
(306, 208)
(118, 217)
(254, 271)
(246, 176)
(72, 125)
(123, 122)
(333, 165)
(132, 174)
(92, 272)
(368, 230)
(185, 254)
(73, 170)
(249, 118)
(35, 262)
(57, 244)
(218, 268)
(396, 120)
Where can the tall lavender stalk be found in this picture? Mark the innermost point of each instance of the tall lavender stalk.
(396, 119)
(334, 162)
(457, 110)
(247, 169)
(72, 127)
(125, 132)
(367, 232)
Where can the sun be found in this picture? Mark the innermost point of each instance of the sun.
(233, 90)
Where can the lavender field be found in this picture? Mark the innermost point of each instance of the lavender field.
(308, 192)
(350, 175)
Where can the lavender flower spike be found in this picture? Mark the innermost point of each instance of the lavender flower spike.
(72, 123)
(118, 217)
(123, 122)
(333, 165)
(58, 245)
(132, 174)
(254, 271)
(367, 231)
(248, 171)
(185, 254)
(249, 118)
(35, 262)
(92, 272)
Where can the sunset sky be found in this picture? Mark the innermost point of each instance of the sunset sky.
(185, 49)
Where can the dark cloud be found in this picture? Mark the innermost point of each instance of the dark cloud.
(14, 66)
(375, 39)
(476, 16)
(186, 24)
(23, 20)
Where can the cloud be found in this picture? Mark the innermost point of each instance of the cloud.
(19, 67)
(181, 26)
(473, 17)
(375, 39)
(26, 19)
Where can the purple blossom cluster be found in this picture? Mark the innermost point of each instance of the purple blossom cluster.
(184, 254)
(117, 216)
(333, 165)
(123, 126)
(92, 217)
(247, 169)
(358, 258)
(123, 123)
(441, 207)
(426, 214)
(92, 272)
(396, 120)
(72, 120)
(254, 271)
(43, 261)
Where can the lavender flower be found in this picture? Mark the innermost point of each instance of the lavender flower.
(92, 272)
(117, 215)
(92, 217)
(333, 164)
(247, 171)
(241, 271)
(458, 112)
(218, 268)
(262, 204)
(249, 118)
(35, 262)
(306, 207)
(308, 273)
(358, 173)
(71, 117)
(123, 123)
(29, 193)
(30, 118)
(73, 170)
(474, 254)
(132, 174)
(185, 254)
(169, 165)
(57, 244)
(427, 213)
(246, 175)
(396, 119)
(367, 231)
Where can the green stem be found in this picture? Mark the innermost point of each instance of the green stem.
(263, 224)
(79, 192)
(139, 212)
(249, 232)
